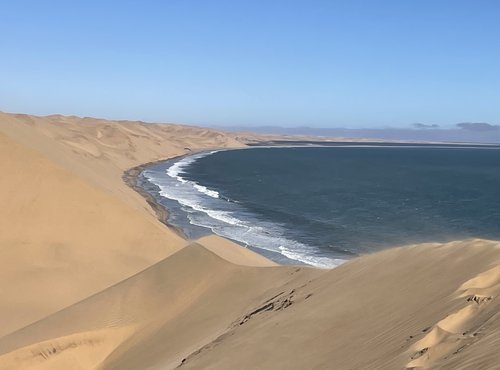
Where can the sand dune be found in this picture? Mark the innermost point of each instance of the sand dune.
(70, 227)
(184, 300)
(200, 311)
(99, 150)
(63, 239)
(91, 280)
(376, 312)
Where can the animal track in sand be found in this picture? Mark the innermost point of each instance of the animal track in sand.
(461, 328)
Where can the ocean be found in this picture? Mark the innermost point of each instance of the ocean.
(324, 205)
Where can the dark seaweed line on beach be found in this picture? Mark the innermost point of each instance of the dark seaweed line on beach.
(131, 177)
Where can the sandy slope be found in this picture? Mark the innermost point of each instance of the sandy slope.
(100, 150)
(380, 312)
(169, 310)
(72, 235)
(234, 253)
(69, 226)
(63, 239)
(425, 306)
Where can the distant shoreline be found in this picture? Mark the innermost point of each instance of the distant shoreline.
(385, 144)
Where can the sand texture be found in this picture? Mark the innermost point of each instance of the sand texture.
(90, 279)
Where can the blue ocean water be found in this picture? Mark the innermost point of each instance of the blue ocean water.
(322, 205)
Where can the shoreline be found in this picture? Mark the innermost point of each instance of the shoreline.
(131, 176)
(162, 212)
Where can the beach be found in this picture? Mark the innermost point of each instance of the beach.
(92, 278)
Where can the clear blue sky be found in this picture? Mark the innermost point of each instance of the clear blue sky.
(290, 63)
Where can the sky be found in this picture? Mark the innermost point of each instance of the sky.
(354, 64)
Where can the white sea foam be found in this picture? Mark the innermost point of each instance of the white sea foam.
(174, 171)
(321, 262)
(260, 238)
(177, 169)
(206, 208)
(223, 216)
(205, 190)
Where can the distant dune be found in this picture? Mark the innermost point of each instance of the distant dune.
(418, 132)
(90, 279)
